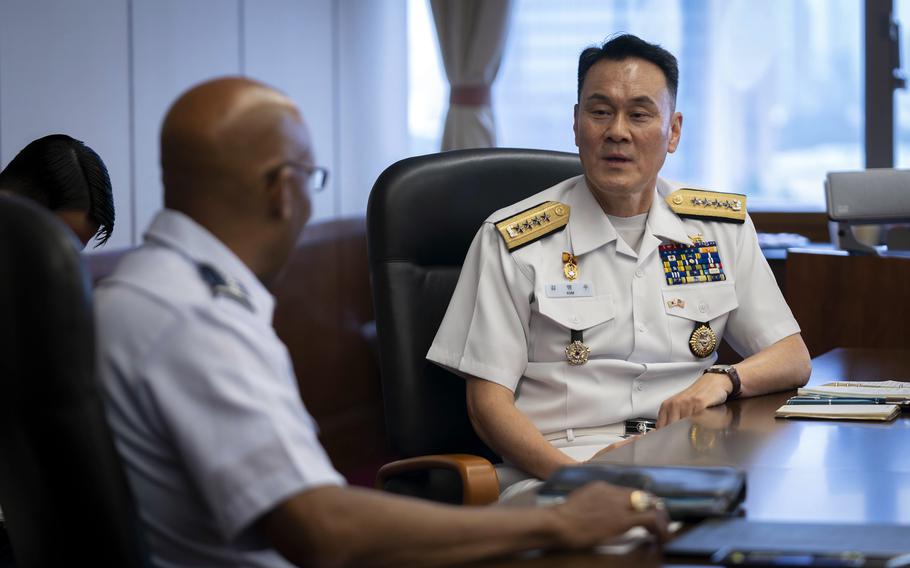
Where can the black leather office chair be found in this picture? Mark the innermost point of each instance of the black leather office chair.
(422, 215)
(62, 489)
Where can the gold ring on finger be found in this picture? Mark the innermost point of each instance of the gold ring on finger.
(643, 501)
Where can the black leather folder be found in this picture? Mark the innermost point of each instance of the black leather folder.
(690, 493)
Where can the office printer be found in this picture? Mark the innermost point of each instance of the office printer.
(869, 197)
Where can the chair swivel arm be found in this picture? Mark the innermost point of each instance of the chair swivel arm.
(479, 483)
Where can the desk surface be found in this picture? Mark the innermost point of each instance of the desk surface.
(798, 470)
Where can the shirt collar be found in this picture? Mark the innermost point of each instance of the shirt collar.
(662, 221)
(589, 227)
(179, 232)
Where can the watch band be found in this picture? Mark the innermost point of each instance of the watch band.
(733, 374)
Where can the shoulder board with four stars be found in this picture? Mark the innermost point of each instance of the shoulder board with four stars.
(708, 205)
(531, 224)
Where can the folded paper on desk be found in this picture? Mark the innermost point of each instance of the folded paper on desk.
(883, 412)
(892, 391)
(688, 492)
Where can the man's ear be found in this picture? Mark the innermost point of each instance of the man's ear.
(280, 194)
(575, 122)
(675, 131)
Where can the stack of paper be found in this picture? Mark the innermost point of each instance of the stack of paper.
(883, 412)
(892, 391)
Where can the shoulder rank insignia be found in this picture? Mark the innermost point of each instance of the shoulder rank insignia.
(708, 205)
(222, 286)
(534, 223)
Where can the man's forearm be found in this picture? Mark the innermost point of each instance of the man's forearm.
(509, 432)
(781, 366)
(342, 526)
(337, 526)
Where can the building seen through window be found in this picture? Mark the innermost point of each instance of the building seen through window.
(771, 92)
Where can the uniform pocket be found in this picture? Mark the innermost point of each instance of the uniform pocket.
(577, 313)
(700, 302)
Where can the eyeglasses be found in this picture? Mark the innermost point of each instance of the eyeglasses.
(315, 177)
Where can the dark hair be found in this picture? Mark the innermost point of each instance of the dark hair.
(61, 172)
(624, 46)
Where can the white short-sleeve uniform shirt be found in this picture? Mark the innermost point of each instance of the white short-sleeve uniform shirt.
(202, 398)
(502, 325)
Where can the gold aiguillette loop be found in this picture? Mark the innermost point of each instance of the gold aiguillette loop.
(570, 265)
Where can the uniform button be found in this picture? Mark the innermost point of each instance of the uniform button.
(703, 307)
(640, 387)
(574, 319)
(642, 328)
(639, 273)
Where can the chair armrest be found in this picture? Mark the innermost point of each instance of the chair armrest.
(479, 483)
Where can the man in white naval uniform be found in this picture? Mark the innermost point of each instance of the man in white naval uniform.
(201, 395)
(601, 299)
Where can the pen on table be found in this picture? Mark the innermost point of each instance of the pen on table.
(876, 399)
(842, 400)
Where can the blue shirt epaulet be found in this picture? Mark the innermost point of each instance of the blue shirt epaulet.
(222, 286)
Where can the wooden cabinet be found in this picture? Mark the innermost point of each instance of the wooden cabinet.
(849, 301)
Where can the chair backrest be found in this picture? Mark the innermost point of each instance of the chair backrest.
(422, 215)
(62, 489)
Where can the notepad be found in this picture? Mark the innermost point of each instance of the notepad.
(895, 391)
(882, 412)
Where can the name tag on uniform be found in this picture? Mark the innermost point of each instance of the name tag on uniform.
(569, 290)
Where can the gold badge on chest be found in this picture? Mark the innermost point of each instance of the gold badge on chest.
(703, 340)
(569, 265)
(577, 353)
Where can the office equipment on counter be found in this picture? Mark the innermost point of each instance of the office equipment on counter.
(688, 492)
(872, 196)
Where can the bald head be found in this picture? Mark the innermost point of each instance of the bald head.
(221, 135)
(225, 148)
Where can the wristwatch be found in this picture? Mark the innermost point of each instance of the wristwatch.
(731, 372)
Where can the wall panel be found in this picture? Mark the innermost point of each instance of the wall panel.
(288, 44)
(372, 95)
(64, 68)
(176, 44)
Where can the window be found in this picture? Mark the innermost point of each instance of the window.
(428, 89)
(771, 92)
(902, 96)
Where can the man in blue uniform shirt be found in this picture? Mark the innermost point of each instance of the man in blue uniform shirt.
(201, 395)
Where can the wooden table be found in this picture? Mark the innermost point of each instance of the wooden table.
(798, 470)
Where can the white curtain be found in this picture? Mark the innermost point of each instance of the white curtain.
(472, 35)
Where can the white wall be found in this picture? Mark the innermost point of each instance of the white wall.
(105, 71)
(174, 44)
(290, 44)
(373, 79)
